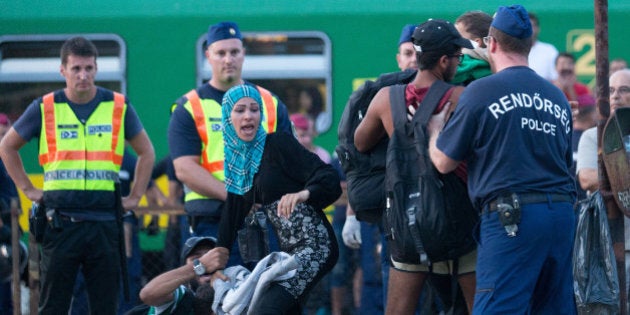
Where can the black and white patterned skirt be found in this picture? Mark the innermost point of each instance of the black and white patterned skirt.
(308, 235)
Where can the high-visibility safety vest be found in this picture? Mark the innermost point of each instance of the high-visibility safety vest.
(77, 156)
(207, 116)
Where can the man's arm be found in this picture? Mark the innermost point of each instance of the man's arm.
(160, 290)
(197, 178)
(9, 147)
(144, 165)
(589, 179)
(376, 123)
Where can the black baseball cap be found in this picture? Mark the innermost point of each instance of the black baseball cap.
(195, 241)
(434, 35)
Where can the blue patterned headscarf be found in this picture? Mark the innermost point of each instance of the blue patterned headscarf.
(242, 158)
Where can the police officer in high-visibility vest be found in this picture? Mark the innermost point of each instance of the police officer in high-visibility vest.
(195, 133)
(82, 131)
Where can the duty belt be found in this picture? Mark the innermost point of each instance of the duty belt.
(528, 198)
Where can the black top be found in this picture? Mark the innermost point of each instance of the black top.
(286, 167)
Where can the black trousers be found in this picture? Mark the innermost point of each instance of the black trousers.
(93, 245)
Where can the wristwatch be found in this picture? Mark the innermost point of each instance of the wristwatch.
(198, 267)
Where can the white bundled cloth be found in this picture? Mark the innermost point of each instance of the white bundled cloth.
(244, 288)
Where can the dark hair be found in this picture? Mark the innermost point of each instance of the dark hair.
(533, 18)
(78, 46)
(317, 102)
(565, 54)
(475, 22)
(429, 59)
(204, 296)
(512, 44)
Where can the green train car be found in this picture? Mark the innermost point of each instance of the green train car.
(152, 50)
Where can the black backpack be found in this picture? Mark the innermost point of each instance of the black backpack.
(429, 215)
(365, 172)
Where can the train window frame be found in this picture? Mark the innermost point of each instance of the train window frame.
(29, 66)
(306, 67)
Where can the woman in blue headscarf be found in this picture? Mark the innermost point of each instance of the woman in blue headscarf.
(293, 186)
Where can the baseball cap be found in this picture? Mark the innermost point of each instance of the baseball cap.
(193, 242)
(407, 32)
(513, 20)
(435, 34)
(221, 31)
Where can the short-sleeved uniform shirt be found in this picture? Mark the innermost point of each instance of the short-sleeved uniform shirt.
(29, 125)
(514, 130)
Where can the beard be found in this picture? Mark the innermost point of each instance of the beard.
(204, 296)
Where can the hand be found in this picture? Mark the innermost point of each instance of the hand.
(351, 232)
(218, 275)
(436, 123)
(410, 112)
(288, 202)
(130, 203)
(215, 259)
(34, 194)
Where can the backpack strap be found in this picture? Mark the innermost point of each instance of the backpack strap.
(431, 101)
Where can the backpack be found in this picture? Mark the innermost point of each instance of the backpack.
(365, 172)
(429, 214)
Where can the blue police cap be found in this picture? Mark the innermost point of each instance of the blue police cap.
(513, 20)
(221, 31)
(407, 32)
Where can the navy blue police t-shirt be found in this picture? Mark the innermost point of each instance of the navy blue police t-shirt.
(514, 130)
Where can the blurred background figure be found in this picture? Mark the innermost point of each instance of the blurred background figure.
(305, 132)
(585, 117)
(543, 55)
(406, 56)
(617, 64)
(9, 201)
(567, 79)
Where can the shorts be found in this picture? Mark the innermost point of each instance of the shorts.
(467, 264)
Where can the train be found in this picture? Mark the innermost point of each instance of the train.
(153, 50)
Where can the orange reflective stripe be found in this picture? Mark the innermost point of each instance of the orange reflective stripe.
(53, 155)
(271, 111)
(198, 116)
(81, 155)
(49, 123)
(117, 117)
(200, 123)
(214, 166)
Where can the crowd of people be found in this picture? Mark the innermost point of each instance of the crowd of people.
(255, 187)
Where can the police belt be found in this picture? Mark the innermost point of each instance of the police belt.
(528, 198)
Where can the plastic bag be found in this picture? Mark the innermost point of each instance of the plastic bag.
(595, 281)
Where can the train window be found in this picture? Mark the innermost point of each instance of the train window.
(294, 65)
(29, 67)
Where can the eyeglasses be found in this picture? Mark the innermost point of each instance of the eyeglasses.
(486, 40)
(459, 56)
(623, 90)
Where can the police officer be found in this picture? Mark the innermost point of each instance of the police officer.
(82, 131)
(514, 130)
(195, 136)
